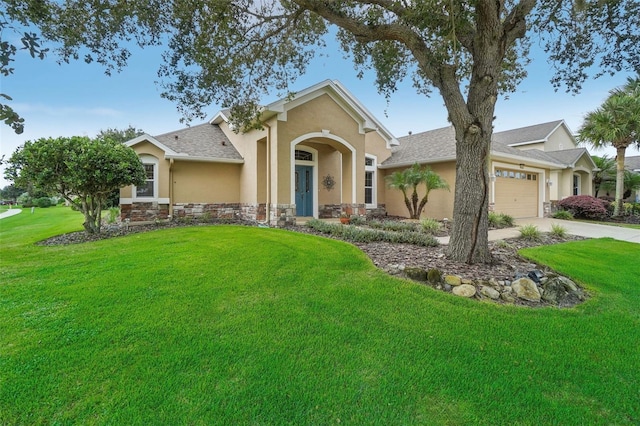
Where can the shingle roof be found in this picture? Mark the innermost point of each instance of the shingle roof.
(204, 141)
(529, 134)
(439, 145)
(632, 163)
(568, 156)
(431, 146)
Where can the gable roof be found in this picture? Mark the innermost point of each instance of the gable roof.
(439, 145)
(204, 142)
(367, 122)
(536, 133)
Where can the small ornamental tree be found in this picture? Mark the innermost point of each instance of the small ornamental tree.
(82, 170)
(412, 178)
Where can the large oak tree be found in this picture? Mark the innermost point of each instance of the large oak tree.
(233, 52)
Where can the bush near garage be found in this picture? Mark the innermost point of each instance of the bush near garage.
(584, 207)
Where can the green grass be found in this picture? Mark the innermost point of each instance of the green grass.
(623, 225)
(239, 325)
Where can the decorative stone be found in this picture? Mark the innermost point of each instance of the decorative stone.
(466, 281)
(417, 274)
(434, 276)
(526, 289)
(507, 297)
(464, 290)
(490, 292)
(453, 280)
(561, 291)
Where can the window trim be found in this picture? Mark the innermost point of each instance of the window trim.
(373, 168)
(151, 161)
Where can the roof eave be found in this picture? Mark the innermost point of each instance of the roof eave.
(183, 157)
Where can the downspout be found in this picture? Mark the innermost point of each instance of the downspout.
(268, 200)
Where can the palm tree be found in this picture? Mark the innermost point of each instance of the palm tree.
(617, 123)
(411, 179)
(605, 173)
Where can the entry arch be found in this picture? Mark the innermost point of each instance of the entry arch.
(325, 134)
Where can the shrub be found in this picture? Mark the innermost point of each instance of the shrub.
(391, 225)
(530, 232)
(563, 214)
(366, 235)
(558, 230)
(500, 220)
(43, 202)
(584, 206)
(358, 220)
(430, 226)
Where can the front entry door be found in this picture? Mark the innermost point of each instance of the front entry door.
(304, 190)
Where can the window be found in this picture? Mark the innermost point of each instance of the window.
(303, 155)
(370, 181)
(576, 184)
(147, 189)
(368, 187)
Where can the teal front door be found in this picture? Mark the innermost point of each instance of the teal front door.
(304, 190)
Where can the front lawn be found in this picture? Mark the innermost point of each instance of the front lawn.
(240, 325)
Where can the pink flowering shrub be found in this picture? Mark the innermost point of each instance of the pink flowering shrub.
(584, 206)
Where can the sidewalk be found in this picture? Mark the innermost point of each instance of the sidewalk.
(9, 213)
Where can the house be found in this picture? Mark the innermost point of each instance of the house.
(633, 165)
(321, 152)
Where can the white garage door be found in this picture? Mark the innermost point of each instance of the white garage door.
(516, 193)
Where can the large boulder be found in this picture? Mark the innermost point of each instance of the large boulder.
(526, 289)
(561, 291)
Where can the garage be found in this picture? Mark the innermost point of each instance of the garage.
(516, 193)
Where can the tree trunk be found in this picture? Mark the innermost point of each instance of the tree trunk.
(469, 240)
(620, 152)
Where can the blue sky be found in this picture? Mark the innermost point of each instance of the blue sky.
(79, 99)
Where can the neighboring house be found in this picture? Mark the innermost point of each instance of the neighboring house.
(633, 165)
(321, 153)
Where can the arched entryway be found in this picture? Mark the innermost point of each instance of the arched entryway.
(323, 174)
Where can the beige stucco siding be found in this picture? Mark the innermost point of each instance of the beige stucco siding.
(148, 149)
(203, 182)
(559, 140)
(440, 203)
(311, 118)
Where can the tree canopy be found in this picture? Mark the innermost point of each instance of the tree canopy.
(83, 171)
(615, 123)
(233, 52)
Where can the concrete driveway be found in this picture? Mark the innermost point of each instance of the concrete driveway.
(589, 230)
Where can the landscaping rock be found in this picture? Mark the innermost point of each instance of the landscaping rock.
(434, 276)
(452, 280)
(561, 291)
(417, 274)
(526, 289)
(464, 290)
(490, 292)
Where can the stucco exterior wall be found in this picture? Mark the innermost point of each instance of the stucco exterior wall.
(440, 203)
(312, 117)
(203, 182)
(147, 148)
(559, 140)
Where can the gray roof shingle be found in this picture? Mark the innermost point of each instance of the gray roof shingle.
(204, 141)
(632, 163)
(439, 145)
(529, 134)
